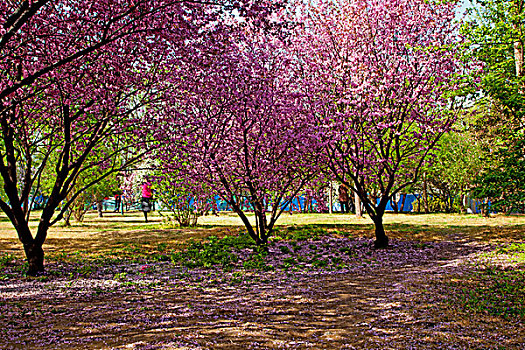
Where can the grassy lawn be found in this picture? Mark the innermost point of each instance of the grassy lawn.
(115, 228)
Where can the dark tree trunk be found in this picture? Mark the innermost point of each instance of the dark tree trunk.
(394, 204)
(262, 224)
(35, 258)
(403, 198)
(67, 217)
(32, 247)
(249, 228)
(462, 204)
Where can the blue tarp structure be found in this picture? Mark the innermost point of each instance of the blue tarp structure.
(299, 202)
(408, 206)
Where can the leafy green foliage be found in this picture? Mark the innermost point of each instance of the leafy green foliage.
(93, 184)
(187, 202)
(504, 183)
(453, 171)
(497, 26)
(496, 36)
(257, 261)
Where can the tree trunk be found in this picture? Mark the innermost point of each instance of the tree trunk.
(358, 211)
(462, 204)
(394, 204)
(403, 198)
(425, 195)
(261, 223)
(381, 238)
(249, 228)
(67, 215)
(330, 198)
(518, 58)
(32, 247)
(451, 203)
(67, 218)
(35, 258)
(485, 212)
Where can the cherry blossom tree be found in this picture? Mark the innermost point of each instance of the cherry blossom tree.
(387, 72)
(246, 135)
(77, 78)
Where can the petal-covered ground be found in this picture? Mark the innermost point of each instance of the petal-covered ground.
(311, 289)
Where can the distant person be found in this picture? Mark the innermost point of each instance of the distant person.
(118, 200)
(147, 197)
(343, 199)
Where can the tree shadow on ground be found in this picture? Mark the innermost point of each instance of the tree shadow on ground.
(385, 307)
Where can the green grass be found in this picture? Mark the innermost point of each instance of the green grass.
(516, 252)
(6, 259)
(212, 252)
(494, 291)
(301, 233)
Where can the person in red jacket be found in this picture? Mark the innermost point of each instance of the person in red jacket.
(147, 197)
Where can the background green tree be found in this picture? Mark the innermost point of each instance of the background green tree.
(496, 35)
(451, 177)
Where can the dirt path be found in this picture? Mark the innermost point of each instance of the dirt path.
(389, 299)
(366, 308)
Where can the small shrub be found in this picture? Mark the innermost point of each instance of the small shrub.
(237, 278)
(301, 233)
(120, 276)
(258, 260)
(162, 247)
(301, 259)
(160, 257)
